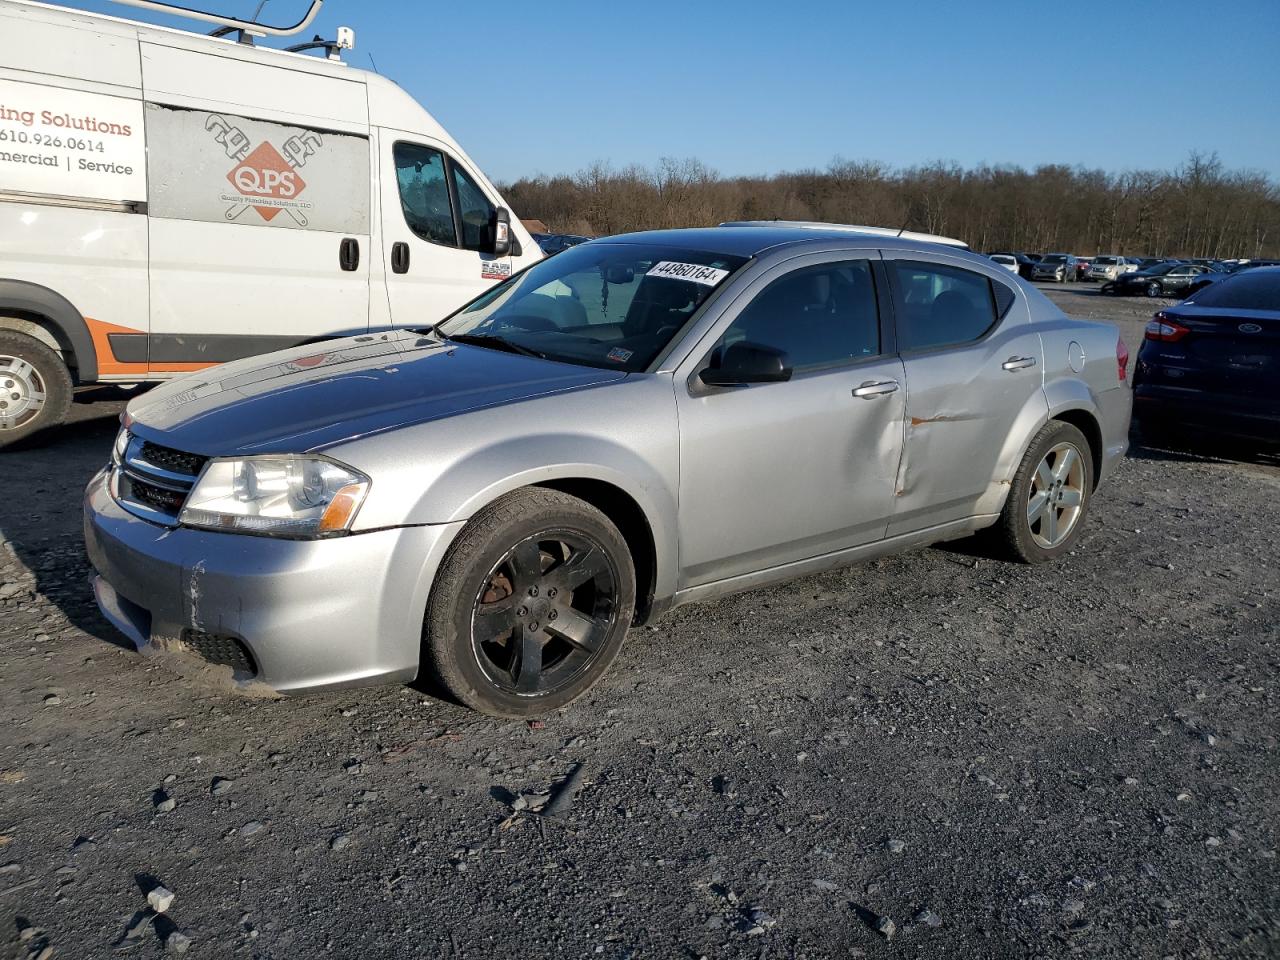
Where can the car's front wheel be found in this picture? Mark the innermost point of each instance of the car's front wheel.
(1050, 495)
(531, 604)
(1154, 289)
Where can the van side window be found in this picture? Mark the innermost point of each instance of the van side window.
(424, 192)
(478, 214)
(940, 306)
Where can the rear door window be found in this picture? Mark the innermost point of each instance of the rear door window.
(939, 306)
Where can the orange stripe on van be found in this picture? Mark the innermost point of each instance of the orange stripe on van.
(107, 362)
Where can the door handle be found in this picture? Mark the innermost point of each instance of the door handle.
(1018, 363)
(875, 388)
(349, 253)
(399, 257)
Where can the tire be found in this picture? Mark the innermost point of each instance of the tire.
(1154, 290)
(580, 580)
(35, 387)
(1028, 540)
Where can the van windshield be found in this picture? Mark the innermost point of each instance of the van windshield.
(611, 305)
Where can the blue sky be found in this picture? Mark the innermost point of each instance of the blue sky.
(760, 87)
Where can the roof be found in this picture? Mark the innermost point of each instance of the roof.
(818, 225)
(750, 240)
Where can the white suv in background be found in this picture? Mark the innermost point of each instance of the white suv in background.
(1108, 267)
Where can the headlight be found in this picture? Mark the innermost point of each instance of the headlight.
(122, 444)
(280, 496)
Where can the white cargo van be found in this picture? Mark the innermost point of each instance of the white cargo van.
(172, 200)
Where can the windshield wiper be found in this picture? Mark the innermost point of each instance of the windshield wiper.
(495, 342)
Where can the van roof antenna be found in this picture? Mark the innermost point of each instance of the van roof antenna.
(247, 29)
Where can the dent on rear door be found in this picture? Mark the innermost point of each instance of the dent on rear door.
(968, 419)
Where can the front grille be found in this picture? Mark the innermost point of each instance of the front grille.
(152, 496)
(221, 649)
(154, 481)
(175, 460)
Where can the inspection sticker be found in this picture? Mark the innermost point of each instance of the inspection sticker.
(619, 355)
(693, 272)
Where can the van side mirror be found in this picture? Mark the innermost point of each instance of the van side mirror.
(501, 233)
(744, 362)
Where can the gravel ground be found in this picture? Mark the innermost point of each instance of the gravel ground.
(938, 754)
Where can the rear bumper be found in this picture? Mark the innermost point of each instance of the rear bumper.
(311, 614)
(1204, 412)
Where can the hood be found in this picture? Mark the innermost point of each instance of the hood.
(315, 396)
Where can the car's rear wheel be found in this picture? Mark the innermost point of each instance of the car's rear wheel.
(1154, 289)
(1050, 495)
(531, 604)
(35, 387)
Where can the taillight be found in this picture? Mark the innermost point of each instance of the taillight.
(1122, 358)
(1162, 328)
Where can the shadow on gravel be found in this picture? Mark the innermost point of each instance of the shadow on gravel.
(1202, 449)
(41, 484)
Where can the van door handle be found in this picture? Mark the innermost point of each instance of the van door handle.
(349, 253)
(399, 257)
(1018, 363)
(875, 388)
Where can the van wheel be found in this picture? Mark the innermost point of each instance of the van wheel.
(35, 387)
(1050, 495)
(530, 605)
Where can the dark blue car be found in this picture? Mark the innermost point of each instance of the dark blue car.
(1212, 363)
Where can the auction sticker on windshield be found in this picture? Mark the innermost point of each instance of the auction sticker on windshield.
(694, 272)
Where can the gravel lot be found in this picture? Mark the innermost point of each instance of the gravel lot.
(939, 754)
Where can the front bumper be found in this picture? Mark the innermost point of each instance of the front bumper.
(312, 614)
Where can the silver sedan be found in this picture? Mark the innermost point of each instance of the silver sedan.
(637, 423)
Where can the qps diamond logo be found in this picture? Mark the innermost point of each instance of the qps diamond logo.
(266, 181)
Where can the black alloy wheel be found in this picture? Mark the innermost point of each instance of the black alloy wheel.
(543, 613)
(531, 604)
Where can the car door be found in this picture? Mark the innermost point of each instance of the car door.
(772, 473)
(973, 366)
(437, 225)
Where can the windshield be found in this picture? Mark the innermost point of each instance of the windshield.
(1104, 261)
(1244, 291)
(1160, 269)
(1055, 258)
(612, 305)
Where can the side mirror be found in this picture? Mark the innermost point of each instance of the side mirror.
(502, 232)
(743, 363)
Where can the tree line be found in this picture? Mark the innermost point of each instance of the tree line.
(1198, 210)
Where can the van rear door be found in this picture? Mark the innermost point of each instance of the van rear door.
(259, 205)
(437, 224)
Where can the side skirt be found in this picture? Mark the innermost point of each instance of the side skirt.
(952, 530)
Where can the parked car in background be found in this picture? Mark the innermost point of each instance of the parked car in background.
(1025, 263)
(1082, 267)
(1006, 260)
(1107, 267)
(551, 243)
(496, 498)
(1213, 362)
(1162, 280)
(1060, 267)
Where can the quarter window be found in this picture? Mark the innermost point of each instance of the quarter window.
(424, 192)
(817, 316)
(939, 306)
